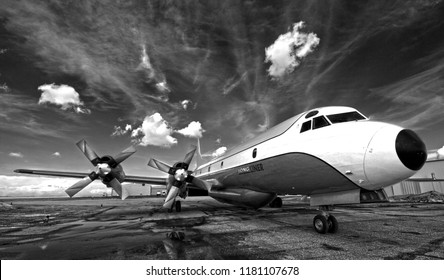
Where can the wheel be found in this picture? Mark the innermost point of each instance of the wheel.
(332, 224)
(276, 203)
(320, 224)
(178, 206)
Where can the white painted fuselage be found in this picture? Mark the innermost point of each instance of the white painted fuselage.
(332, 156)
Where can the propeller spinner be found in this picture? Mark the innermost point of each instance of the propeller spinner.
(107, 169)
(178, 175)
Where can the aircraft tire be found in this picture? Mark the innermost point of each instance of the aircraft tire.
(332, 224)
(178, 206)
(320, 224)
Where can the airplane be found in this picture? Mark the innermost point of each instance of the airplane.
(335, 155)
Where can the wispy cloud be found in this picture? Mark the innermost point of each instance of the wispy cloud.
(16, 155)
(4, 87)
(33, 124)
(232, 84)
(417, 101)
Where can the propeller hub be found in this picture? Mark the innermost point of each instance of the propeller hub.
(103, 169)
(180, 175)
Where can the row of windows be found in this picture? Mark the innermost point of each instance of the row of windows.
(222, 163)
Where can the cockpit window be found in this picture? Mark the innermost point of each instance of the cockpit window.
(345, 117)
(319, 122)
(306, 126)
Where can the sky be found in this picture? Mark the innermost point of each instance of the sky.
(160, 74)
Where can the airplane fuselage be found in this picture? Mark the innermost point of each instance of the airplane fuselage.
(334, 151)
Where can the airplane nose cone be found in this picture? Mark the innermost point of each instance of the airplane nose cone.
(392, 155)
(410, 149)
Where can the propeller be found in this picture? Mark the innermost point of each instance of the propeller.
(178, 175)
(107, 169)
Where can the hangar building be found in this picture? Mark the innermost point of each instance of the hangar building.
(429, 178)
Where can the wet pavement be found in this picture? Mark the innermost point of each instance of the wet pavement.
(108, 228)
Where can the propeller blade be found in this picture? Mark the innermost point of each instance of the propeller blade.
(80, 185)
(118, 188)
(171, 197)
(124, 154)
(154, 163)
(88, 152)
(189, 156)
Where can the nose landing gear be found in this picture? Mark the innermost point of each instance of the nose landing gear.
(325, 222)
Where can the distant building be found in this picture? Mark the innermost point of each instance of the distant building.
(429, 178)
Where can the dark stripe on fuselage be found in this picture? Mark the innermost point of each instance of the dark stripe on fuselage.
(272, 133)
(291, 173)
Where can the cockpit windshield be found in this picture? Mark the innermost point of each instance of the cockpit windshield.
(345, 117)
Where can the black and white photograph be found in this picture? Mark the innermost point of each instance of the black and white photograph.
(222, 130)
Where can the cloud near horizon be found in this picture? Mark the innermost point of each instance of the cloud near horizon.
(156, 131)
(43, 186)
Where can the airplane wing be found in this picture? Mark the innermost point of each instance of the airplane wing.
(128, 179)
(424, 180)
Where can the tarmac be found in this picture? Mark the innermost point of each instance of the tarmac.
(137, 228)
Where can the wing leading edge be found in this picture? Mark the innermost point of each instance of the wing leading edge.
(128, 179)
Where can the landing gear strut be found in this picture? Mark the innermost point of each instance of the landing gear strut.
(325, 222)
(177, 205)
(276, 203)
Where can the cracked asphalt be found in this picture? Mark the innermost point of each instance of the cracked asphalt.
(108, 228)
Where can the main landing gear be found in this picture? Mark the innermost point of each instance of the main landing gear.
(325, 222)
(177, 205)
(276, 203)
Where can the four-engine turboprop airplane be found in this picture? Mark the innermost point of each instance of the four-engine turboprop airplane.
(335, 155)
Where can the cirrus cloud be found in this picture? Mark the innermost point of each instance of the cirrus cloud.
(16, 155)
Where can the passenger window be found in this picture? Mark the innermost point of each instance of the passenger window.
(254, 152)
(319, 122)
(209, 168)
(306, 126)
(222, 164)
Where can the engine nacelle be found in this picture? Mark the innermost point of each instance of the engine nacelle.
(116, 172)
(241, 197)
